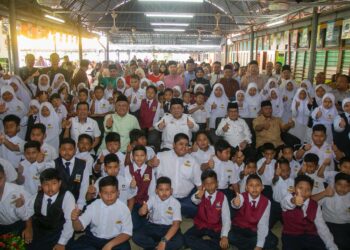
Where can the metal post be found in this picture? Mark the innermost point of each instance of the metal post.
(80, 39)
(313, 38)
(107, 49)
(252, 44)
(13, 37)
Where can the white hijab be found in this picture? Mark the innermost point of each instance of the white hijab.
(302, 107)
(289, 94)
(219, 101)
(265, 91)
(197, 86)
(253, 100)
(35, 103)
(277, 104)
(319, 99)
(43, 88)
(15, 106)
(122, 90)
(22, 92)
(178, 89)
(346, 100)
(55, 87)
(331, 113)
(52, 122)
(309, 87)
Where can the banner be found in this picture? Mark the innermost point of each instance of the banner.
(345, 34)
(330, 31)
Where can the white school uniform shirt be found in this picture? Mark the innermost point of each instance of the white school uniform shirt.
(243, 184)
(269, 172)
(152, 186)
(281, 188)
(61, 112)
(221, 105)
(102, 106)
(238, 131)
(336, 209)
(263, 224)
(318, 183)
(121, 158)
(173, 127)
(226, 172)
(294, 168)
(13, 156)
(125, 191)
(203, 156)
(107, 222)
(9, 214)
(49, 151)
(89, 160)
(329, 176)
(31, 173)
(324, 152)
(84, 185)
(138, 95)
(68, 205)
(9, 169)
(89, 127)
(164, 212)
(201, 115)
(320, 224)
(184, 172)
(150, 153)
(225, 211)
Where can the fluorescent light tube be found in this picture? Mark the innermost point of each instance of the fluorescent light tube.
(55, 18)
(171, 24)
(181, 1)
(169, 30)
(275, 23)
(169, 15)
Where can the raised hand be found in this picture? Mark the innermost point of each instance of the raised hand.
(3, 108)
(278, 170)
(213, 106)
(342, 123)
(307, 147)
(161, 125)
(237, 200)
(226, 127)
(318, 114)
(190, 124)
(297, 105)
(109, 122)
(298, 198)
(144, 209)
(200, 192)
(75, 213)
(133, 182)
(211, 162)
(19, 202)
(327, 162)
(40, 157)
(329, 191)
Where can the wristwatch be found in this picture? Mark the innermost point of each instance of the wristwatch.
(163, 239)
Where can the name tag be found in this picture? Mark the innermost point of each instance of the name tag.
(77, 178)
(229, 170)
(118, 222)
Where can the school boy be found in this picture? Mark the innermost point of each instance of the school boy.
(84, 146)
(14, 199)
(288, 154)
(112, 228)
(249, 168)
(303, 224)
(38, 133)
(343, 166)
(213, 216)
(199, 112)
(51, 209)
(148, 109)
(163, 229)
(184, 172)
(250, 226)
(73, 172)
(135, 94)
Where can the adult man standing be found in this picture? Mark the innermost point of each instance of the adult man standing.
(230, 85)
(216, 75)
(189, 74)
(252, 76)
(173, 79)
(80, 75)
(29, 73)
(55, 68)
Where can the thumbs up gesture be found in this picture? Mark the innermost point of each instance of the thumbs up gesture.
(226, 127)
(3, 108)
(200, 192)
(278, 170)
(237, 200)
(342, 123)
(154, 162)
(19, 202)
(109, 122)
(298, 199)
(40, 157)
(133, 183)
(190, 124)
(92, 189)
(211, 162)
(327, 162)
(318, 114)
(161, 125)
(75, 213)
(144, 209)
(135, 100)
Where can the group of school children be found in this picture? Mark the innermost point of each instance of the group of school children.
(73, 200)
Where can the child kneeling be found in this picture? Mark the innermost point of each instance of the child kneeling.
(109, 220)
(163, 229)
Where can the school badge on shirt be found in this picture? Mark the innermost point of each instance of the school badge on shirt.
(146, 177)
(154, 109)
(118, 222)
(187, 164)
(290, 189)
(19, 109)
(218, 205)
(49, 126)
(77, 178)
(170, 211)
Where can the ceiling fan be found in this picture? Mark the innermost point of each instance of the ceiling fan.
(217, 30)
(114, 29)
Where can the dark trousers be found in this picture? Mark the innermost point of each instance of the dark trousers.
(245, 239)
(149, 236)
(341, 234)
(153, 138)
(194, 239)
(267, 192)
(188, 209)
(44, 243)
(90, 242)
(302, 242)
(275, 214)
(15, 228)
(137, 220)
(229, 196)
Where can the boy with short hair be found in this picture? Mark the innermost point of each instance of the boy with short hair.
(288, 154)
(60, 109)
(84, 145)
(199, 113)
(303, 224)
(51, 209)
(38, 133)
(213, 216)
(11, 145)
(127, 190)
(149, 107)
(99, 106)
(249, 168)
(328, 175)
(310, 168)
(163, 229)
(14, 199)
(144, 176)
(250, 228)
(112, 141)
(335, 203)
(73, 172)
(108, 220)
(135, 94)
(266, 168)
(30, 168)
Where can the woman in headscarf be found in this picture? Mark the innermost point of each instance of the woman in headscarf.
(31, 117)
(49, 117)
(288, 93)
(271, 83)
(216, 105)
(253, 100)
(200, 80)
(301, 110)
(242, 105)
(306, 84)
(44, 83)
(277, 102)
(57, 82)
(177, 93)
(21, 91)
(325, 114)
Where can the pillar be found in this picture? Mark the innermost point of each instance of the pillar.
(313, 38)
(80, 44)
(13, 36)
(251, 44)
(107, 49)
